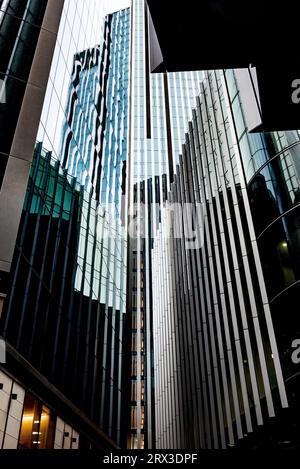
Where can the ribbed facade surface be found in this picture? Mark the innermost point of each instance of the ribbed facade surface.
(51, 318)
(95, 152)
(218, 374)
(94, 148)
(161, 105)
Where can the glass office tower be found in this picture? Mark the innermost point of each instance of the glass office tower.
(94, 148)
(161, 106)
(66, 295)
(225, 328)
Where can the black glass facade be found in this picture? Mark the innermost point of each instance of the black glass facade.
(28, 31)
(16, 57)
(271, 163)
(46, 318)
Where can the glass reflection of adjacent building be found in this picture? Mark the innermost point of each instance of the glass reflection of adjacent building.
(272, 169)
(68, 290)
(41, 313)
(94, 148)
(231, 306)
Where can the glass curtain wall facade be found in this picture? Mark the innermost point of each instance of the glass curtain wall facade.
(67, 289)
(56, 312)
(161, 105)
(94, 146)
(94, 150)
(225, 359)
(27, 37)
(16, 57)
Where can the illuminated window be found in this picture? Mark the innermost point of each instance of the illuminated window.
(134, 366)
(133, 417)
(142, 417)
(37, 428)
(134, 343)
(142, 390)
(285, 259)
(46, 430)
(133, 391)
(133, 442)
(30, 423)
(142, 441)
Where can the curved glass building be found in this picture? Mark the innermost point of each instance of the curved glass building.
(272, 170)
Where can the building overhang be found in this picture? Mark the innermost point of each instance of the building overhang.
(223, 34)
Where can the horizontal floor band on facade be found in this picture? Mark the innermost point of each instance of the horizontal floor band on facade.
(21, 370)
